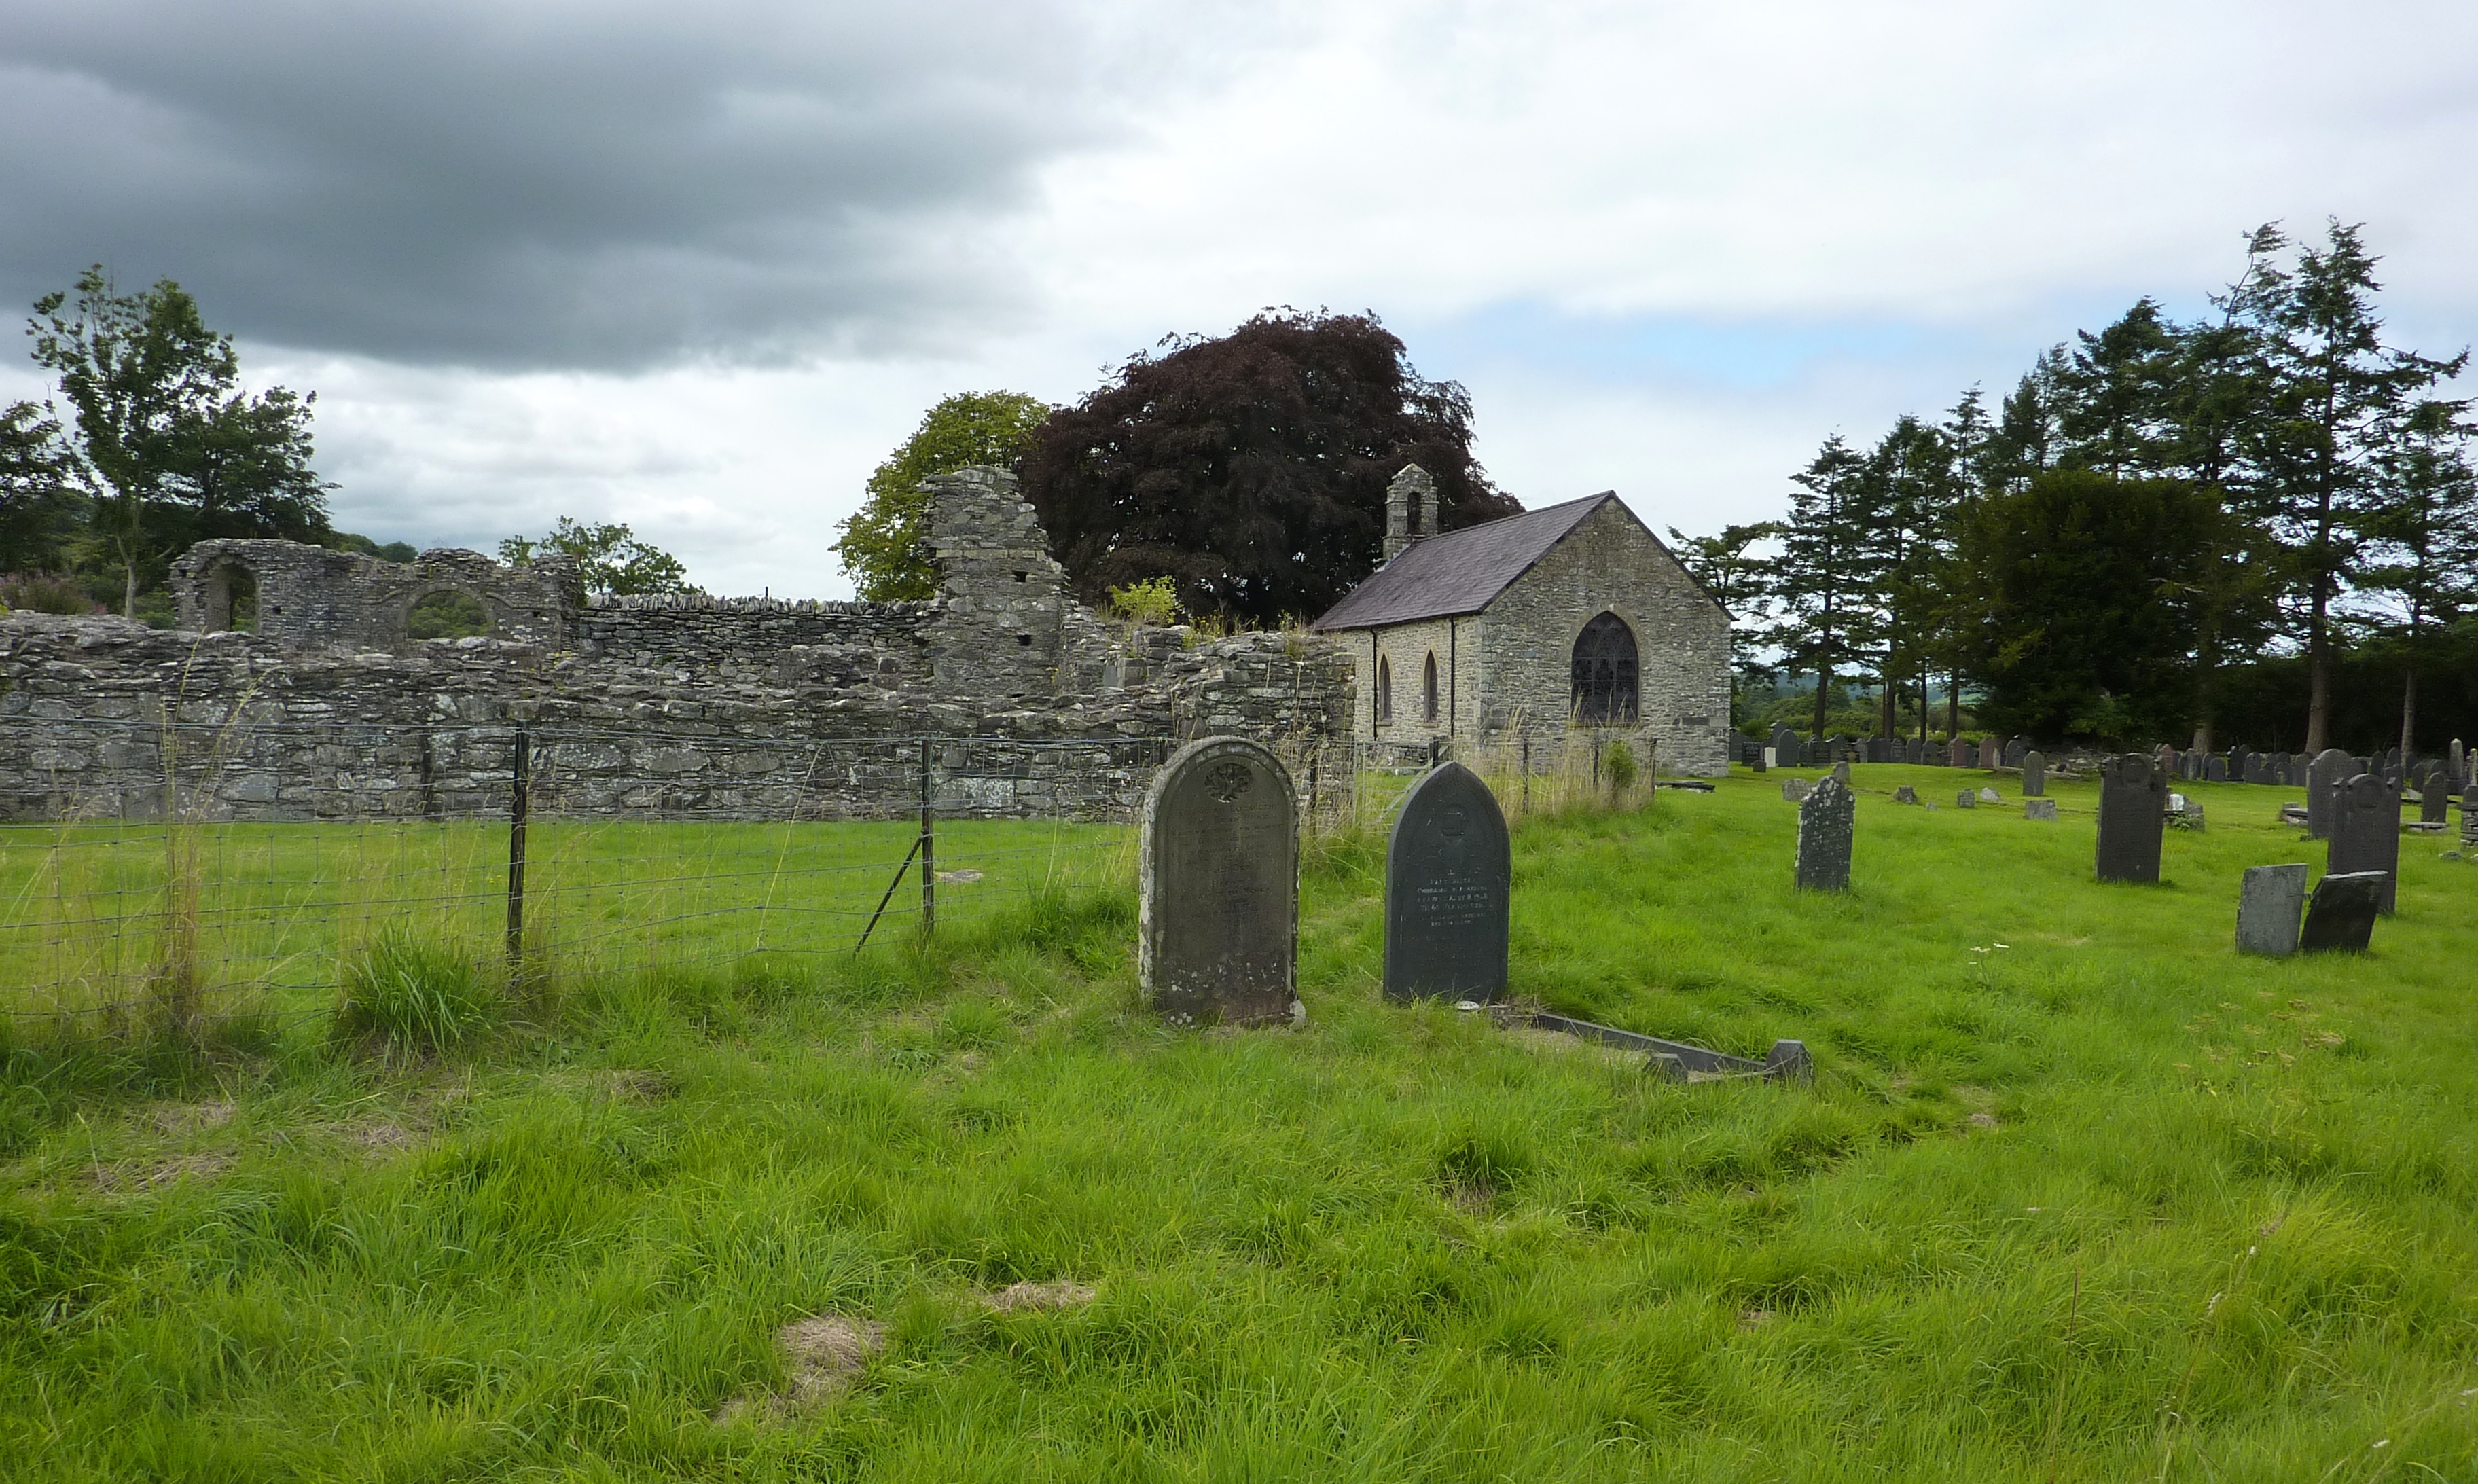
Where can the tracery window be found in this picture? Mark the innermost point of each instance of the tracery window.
(1605, 672)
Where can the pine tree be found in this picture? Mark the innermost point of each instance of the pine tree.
(1821, 581)
(2424, 537)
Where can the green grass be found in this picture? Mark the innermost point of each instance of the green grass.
(2106, 1202)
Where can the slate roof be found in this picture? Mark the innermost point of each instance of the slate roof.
(1460, 571)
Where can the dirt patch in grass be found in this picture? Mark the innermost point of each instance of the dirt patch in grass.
(380, 1136)
(822, 1354)
(156, 1175)
(1064, 1293)
(190, 1118)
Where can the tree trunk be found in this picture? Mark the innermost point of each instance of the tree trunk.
(1953, 705)
(128, 590)
(1923, 705)
(1890, 709)
(1823, 695)
(2409, 715)
(2318, 672)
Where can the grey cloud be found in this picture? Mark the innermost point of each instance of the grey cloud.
(519, 186)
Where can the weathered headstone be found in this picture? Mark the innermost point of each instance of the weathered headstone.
(1880, 749)
(2283, 769)
(1991, 797)
(2132, 815)
(1905, 794)
(2460, 762)
(2340, 916)
(2034, 774)
(1218, 919)
(1763, 759)
(1957, 753)
(2039, 808)
(1826, 823)
(2014, 751)
(1449, 874)
(1786, 748)
(2435, 801)
(1967, 798)
(2216, 768)
(2365, 834)
(2258, 767)
(2323, 778)
(1841, 771)
(1992, 752)
(2268, 905)
(2240, 762)
(1794, 790)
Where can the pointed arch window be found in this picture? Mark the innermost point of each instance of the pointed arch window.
(1384, 689)
(1428, 690)
(1605, 672)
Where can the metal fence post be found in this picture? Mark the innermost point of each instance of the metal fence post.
(516, 801)
(1527, 772)
(929, 849)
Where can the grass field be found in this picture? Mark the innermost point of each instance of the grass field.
(2077, 1194)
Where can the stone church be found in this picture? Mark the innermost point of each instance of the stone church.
(1560, 626)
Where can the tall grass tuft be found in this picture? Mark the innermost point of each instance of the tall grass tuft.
(413, 994)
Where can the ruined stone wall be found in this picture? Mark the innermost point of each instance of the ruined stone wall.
(313, 597)
(755, 639)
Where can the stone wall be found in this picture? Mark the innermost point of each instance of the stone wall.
(313, 597)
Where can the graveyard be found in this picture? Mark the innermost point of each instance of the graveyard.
(2076, 1189)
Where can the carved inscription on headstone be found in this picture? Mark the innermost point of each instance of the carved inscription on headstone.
(2268, 904)
(1827, 819)
(2323, 778)
(2132, 815)
(2034, 774)
(2341, 915)
(1218, 929)
(2365, 834)
(1449, 872)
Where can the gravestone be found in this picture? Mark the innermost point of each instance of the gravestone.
(2268, 905)
(2258, 767)
(1905, 794)
(2133, 817)
(1449, 874)
(2284, 770)
(1957, 753)
(1786, 747)
(1794, 790)
(2365, 834)
(2034, 774)
(2460, 762)
(1991, 797)
(2435, 804)
(1826, 823)
(2340, 916)
(1763, 759)
(1218, 919)
(1880, 749)
(2216, 768)
(2014, 751)
(1967, 798)
(1992, 752)
(1841, 771)
(2039, 808)
(2239, 763)
(2323, 778)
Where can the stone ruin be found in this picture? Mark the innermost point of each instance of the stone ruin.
(327, 708)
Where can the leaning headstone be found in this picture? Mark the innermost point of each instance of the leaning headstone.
(1826, 823)
(2268, 905)
(1905, 794)
(1957, 753)
(2323, 777)
(2340, 916)
(2039, 808)
(2365, 834)
(1449, 874)
(2132, 815)
(1218, 917)
(1991, 797)
(2216, 768)
(1794, 790)
(2034, 774)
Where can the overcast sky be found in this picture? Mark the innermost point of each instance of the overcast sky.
(700, 269)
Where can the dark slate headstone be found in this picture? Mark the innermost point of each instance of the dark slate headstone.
(1757, 760)
(2435, 803)
(2323, 778)
(1880, 749)
(2342, 913)
(2216, 768)
(2014, 751)
(2392, 759)
(2284, 770)
(1826, 820)
(2258, 767)
(1449, 873)
(1219, 870)
(2133, 817)
(2365, 832)
(1958, 753)
(2268, 904)
(2240, 763)
(2034, 774)
(1788, 750)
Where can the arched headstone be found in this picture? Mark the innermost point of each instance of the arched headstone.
(2132, 815)
(2366, 835)
(1449, 874)
(2323, 779)
(2034, 774)
(1218, 930)
(1827, 817)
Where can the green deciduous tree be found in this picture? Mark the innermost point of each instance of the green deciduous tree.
(609, 557)
(38, 507)
(885, 543)
(163, 440)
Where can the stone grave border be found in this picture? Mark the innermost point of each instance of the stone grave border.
(1676, 1061)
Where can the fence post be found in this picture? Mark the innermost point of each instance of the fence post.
(1527, 772)
(516, 801)
(929, 849)
(1437, 750)
(1313, 753)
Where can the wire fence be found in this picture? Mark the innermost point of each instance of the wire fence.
(187, 869)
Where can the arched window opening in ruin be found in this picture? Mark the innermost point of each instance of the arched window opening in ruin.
(447, 613)
(231, 593)
(1428, 690)
(1384, 688)
(1605, 672)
